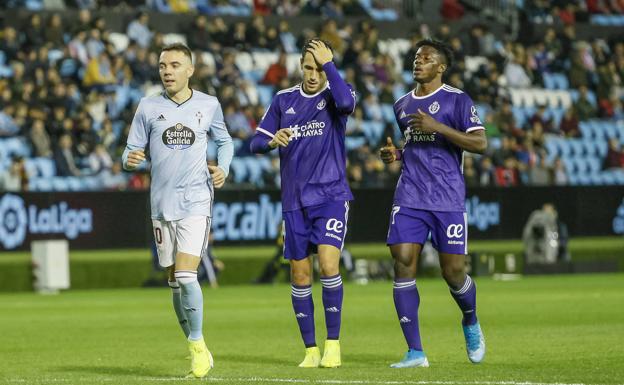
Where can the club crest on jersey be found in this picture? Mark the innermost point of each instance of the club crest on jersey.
(434, 107)
(178, 137)
(321, 105)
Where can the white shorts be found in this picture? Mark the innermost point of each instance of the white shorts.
(187, 235)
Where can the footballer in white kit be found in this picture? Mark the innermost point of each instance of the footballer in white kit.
(175, 127)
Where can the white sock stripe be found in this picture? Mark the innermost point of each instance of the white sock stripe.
(186, 271)
(465, 287)
(301, 295)
(406, 283)
(332, 286)
(301, 289)
(176, 290)
(331, 281)
(173, 284)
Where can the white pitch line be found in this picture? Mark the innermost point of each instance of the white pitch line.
(296, 381)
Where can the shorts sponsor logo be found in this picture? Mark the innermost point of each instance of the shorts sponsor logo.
(178, 137)
(334, 225)
(455, 231)
(333, 236)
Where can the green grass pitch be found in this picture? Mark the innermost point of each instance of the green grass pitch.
(539, 330)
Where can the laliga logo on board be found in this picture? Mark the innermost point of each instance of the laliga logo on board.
(17, 222)
(434, 107)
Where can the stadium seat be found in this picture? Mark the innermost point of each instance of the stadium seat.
(254, 171)
(265, 94)
(244, 61)
(31, 167)
(372, 131)
(119, 40)
(59, 183)
(576, 146)
(91, 183)
(388, 113)
(262, 60)
(239, 169)
(293, 63)
(352, 143)
(170, 38)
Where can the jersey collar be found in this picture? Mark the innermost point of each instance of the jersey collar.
(164, 93)
(313, 95)
(426, 96)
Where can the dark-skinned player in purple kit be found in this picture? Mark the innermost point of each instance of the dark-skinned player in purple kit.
(307, 123)
(439, 123)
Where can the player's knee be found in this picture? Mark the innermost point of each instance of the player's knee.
(403, 269)
(329, 268)
(454, 274)
(300, 278)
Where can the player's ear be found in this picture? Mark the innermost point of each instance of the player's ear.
(191, 70)
(442, 68)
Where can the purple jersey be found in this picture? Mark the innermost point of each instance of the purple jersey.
(313, 165)
(432, 171)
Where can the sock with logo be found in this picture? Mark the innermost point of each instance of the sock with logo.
(304, 311)
(406, 302)
(192, 302)
(177, 306)
(332, 302)
(466, 298)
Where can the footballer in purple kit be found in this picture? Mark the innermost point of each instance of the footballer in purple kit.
(307, 123)
(439, 123)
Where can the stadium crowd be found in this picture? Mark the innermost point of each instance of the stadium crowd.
(69, 90)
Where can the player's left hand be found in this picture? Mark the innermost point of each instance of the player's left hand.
(423, 122)
(218, 176)
(322, 54)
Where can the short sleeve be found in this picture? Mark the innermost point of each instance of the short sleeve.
(139, 129)
(467, 119)
(270, 122)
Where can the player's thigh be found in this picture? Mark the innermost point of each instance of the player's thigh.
(329, 226)
(192, 235)
(164, 235)
(301, 271)
(297, 229)
(407, 226)
(449, 234)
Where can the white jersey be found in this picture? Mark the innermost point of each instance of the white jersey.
(177, 136)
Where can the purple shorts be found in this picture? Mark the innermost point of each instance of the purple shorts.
(449, 230)
(306, 228)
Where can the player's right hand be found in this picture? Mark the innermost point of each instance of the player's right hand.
(135, 158)
(388, 152)
(281, 138)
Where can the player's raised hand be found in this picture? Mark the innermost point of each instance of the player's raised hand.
(135, 158)
(423, 122)
(218, 176)
(321, 52)
(388, 152)
(281, 138)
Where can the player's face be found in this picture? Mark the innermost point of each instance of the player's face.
(175, 69)
(428, 64)
(314, 78)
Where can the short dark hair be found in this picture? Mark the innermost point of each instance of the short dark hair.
(181, 47)
(307, 45)
(442, 48)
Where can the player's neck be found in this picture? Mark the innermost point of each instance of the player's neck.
(181, 96)
(424, 89)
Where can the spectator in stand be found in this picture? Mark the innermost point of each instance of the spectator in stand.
(40, 140)
(114, 179)
(53, 33)
(515, 72)
(507, 175)
(64, 158)
(99, 160)
(569, 125)
(540, 174)
(470, 173)
(487, 172)
(8, 126)
(452, 10)
(276, 71)
(138, 30)
(15, 177)
(560, 177)
(583, 108)
(540, 117)
(198, 35)
(10, 44)
(615, 156)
